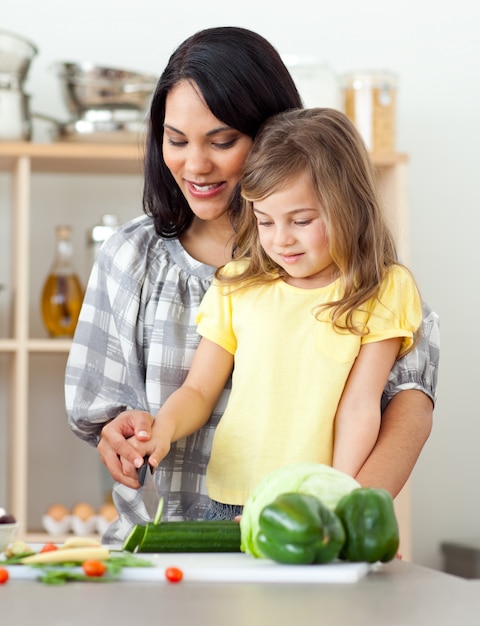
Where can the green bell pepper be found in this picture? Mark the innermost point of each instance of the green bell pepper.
(370, 524)
(298, 529)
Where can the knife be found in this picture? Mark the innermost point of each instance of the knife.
(149, 493)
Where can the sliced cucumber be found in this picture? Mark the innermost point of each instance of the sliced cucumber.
(134, 538)
(201, 536)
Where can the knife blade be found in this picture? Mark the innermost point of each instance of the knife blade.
(146, 479)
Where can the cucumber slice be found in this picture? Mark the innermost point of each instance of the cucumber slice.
(159, 512)
(134, 538)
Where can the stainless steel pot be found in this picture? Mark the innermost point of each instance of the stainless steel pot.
(15, 121)
(16, 54)
(100, 126)
(87, 86)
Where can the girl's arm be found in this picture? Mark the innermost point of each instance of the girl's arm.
(357, 421)
(190, 406)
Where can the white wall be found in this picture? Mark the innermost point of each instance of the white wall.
(434, 47)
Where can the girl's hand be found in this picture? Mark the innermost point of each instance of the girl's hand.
(156, 448)
(161, 440)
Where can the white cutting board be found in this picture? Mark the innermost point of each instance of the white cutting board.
(227, 568)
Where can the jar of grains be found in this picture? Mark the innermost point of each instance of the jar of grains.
(370, 102)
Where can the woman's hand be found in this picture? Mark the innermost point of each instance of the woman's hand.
(120, 457)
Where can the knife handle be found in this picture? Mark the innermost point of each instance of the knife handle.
(142, 471)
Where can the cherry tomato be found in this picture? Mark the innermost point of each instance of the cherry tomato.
(173, 574)
(3, 575)
(94, 568)
(49, 547)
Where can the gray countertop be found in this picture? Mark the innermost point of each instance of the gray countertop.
(397, 593)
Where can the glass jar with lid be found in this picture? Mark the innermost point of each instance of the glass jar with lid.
(370, 102)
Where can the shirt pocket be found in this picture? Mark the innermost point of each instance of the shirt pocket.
(337, 346)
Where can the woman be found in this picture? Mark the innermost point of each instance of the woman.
(137, 325)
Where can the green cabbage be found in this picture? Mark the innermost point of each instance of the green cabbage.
(322, 481)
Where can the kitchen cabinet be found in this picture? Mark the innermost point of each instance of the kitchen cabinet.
(19, 344)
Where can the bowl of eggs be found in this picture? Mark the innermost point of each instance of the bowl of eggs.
(84, 520)
(81, 520)
(8, 529)
(106, 515)
(57, 520)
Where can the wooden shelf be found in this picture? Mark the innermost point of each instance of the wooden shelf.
(36, 345)
(78, 158)
(90, 158)
(388, 159)
(39, 536)
(8, 345)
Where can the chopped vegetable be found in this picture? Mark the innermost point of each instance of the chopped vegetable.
(49, 547)
(68, 555)
(299, 529)
(321, 481)
(187, 536)
(94, 568)
(198, 536)
(80, 542)
(173, 574)
(62, 576)
(61, 573)
(159, 512)
(134, 538)
(18, 549)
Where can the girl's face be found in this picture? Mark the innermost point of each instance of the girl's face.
(204, 155)
(293, 234)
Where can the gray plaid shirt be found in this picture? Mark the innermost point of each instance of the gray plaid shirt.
(133, 346)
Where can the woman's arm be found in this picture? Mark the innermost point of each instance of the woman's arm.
(405, 426)
(357, 421)
(407, 412)
(105, 386)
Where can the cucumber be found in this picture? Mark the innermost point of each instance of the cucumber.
(200, 536)
(134, 538)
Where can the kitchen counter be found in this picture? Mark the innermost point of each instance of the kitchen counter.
(395, 594)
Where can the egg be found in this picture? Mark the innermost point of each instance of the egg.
(83, 511)
(56, 520)
(57, 512)
(108, 511)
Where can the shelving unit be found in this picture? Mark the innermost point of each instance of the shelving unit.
(23, 159)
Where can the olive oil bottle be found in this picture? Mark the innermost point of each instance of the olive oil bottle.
(62, 294)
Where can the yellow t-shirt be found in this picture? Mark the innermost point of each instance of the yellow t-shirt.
(289, 373)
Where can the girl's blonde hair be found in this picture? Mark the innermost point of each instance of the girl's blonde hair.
(323, 143)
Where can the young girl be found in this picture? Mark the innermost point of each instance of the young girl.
(310, 317)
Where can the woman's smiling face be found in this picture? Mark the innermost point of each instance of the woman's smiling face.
(204, 155)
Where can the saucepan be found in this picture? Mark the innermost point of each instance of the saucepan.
(15, 119)
(99, 126)
(87, 86)
(16, 54)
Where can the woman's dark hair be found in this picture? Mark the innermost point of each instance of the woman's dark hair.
(243, 81)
